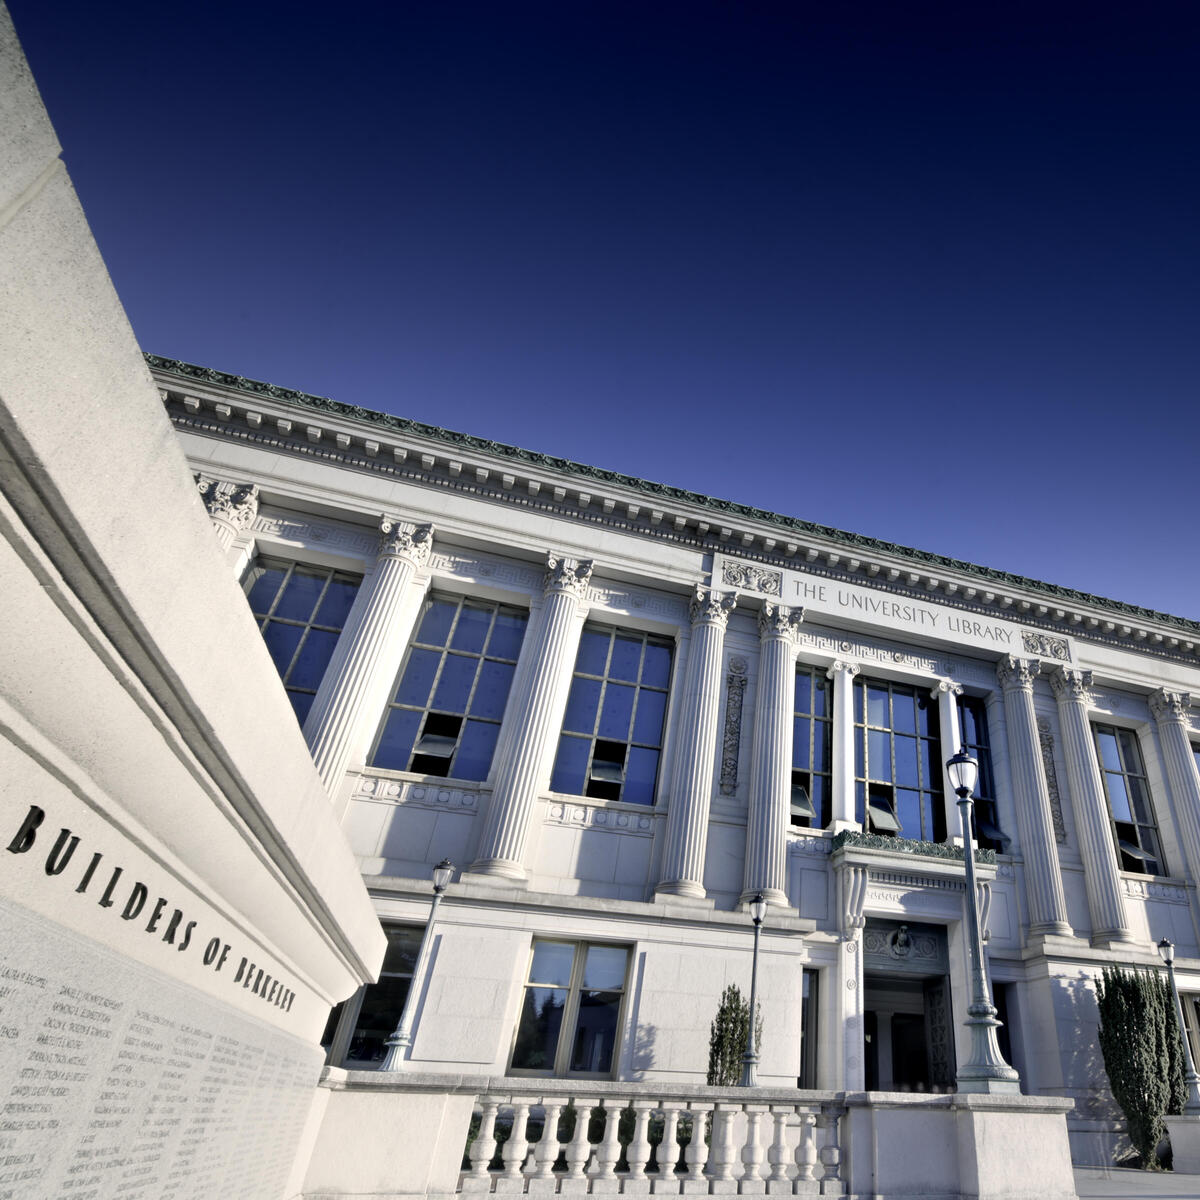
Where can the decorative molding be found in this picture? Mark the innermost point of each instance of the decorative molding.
(735, 693)
(1046, 741)
(1072, 684)
(799, 844)
(714, 607)
(567, 575)
(944, 687)
(877, 841)
(852, 897)
(1014, 672)
(850, 669)
(493, 570)
(778, 620)
(634, 600)
(752, 579)
(907, 882)
(1171, 706)
(900, 944)
(293, 529)
(1045, 646)
(591, 817)
(1148, 888)
(234, 503)
(415, 794)
(403, 539)
(828, 643)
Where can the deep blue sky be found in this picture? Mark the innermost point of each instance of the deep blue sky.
(927, 272)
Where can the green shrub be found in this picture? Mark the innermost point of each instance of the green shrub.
(727, 1038)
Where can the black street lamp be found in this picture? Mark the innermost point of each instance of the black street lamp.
(758, 910)
(1191, 1108)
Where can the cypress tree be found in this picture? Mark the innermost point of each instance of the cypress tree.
(727, 1038)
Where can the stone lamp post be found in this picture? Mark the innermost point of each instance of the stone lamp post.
(758, 910)
(1191, 1107)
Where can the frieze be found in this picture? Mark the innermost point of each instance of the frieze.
(315, 533)
(752, 578)
(876, 652)
(1155, 889)
(414, 794)
(634, 600)
(1045, 646)
(921, 883)
(735, 693)
(600, 818)
(899, 943)
(1046, 740)
(878, 841)
(477, 567)
(814, 846)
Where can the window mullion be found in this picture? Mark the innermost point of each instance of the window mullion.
(562, 1059)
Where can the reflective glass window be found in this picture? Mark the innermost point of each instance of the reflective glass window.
(973, 735)
(1135, 831)
(812, 750)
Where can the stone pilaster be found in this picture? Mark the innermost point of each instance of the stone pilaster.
(697, 718)
(231, 506)
(843, 814)
(1031, 799)
(769, 809)
(1171, 710)
(946, 692)
(514, 797)
(1101, 871)
(369, 652)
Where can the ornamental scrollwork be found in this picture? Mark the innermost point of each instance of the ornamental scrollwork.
(1014, 672)
(1046, 741)
(878, 841)
(403, 539)
(1045, 646)
(568, 575)
(732, 737)
(777, 620)
(235, 504)
(710, 606)
(1071, 684)
(1170, 706)
(753, 579)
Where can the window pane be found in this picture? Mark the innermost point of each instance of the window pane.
(491, 692)
(877, 706)
(1139, 798)
(931, 768)
(1129, 747)
(264, 583)
(593, 652)
(537, 1034)
(626, 659)
(1118, 798)
(454, 687)
(802, 700)
(879, 754)
(301, 703)
(656, 667)
(508, 631)
(641, 770)
(651, 711)
(820, 696)
(903, 712)
(382, 1005)
(396, 741)
(927, 716)
(472, 629)
(435, 625)
(820, 798)
(596, 1032)
(404, 943)
(822, 746)
(282, 641)
(339, 596)
(418, 678)
(300, 597)
(800, 747)
(605, 967)
(314, 657)
(570, 767)
(581, 705)
(551, 963)
(475, 750)
(906, 762)
(617, 711)
(908, 813)
(859, 764)
(1107, 743)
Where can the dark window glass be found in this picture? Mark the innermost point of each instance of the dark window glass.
(612, 732)
(812, 750)
(301, 610)
(1134, 829)
(460, 665)
(383, 1002)
(897, 753)
(973, 734)
(809, 1030)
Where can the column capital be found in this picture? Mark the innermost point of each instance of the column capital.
(1014, 672)
(945, 687)
(1069, 683)
(710, 606)
(1171, 706)
(236, 504)
(841, 667)
(403, 539)
(569, 575)
(777, 620)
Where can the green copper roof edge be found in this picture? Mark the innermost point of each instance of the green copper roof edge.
(353, 412)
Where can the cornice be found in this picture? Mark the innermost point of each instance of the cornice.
(218, 404)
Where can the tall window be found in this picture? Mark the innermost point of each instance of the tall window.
(812, 750)
(973, 733)
(1124, 775)
(1191, 1021)
(612, 733)
(301, 611)
(898, 761)
(571, 1010)
(809, 1030)
(444, 717)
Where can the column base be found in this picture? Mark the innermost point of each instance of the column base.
(686, 889)
(494, 871)
(770, 895)
(1111, 939)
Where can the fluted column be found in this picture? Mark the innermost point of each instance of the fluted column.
(946, 692)
(231, 506)
(843, 814)
(514, 797)
(1170, 711)
(369, 652)
(1100, 869)
(771, 760)
(697, 719)
(1031, 799)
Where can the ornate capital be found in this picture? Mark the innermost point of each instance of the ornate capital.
(1071, 684)
(235, 504)
(848, 669)
(777, 620)
(402, 539)
(1171, 706)
(944, 686)
(1018, 673)
(711, 606)
(570, 575)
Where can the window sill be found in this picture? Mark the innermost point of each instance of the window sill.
(646, 810)
(469, 785)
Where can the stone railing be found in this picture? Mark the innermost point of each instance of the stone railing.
(541, 1137)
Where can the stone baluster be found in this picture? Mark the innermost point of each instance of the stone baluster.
(946, 692)
(698, 716)
(769, 814)
(578, 1150)
(1101, 871)
(1031, 798)
(721, 1150)
(753, 1154)
(231, 507)
(844, 814)
(514, 797)
(667, 1154)
(1171, 711)
(637, 1153)
(831, 1152)
(484, 1145)
(545, 1153)
(608, 1150)
(806, 1147)
(696, 1154)
(367, 657)
(512, 1178)
(778, 1155)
